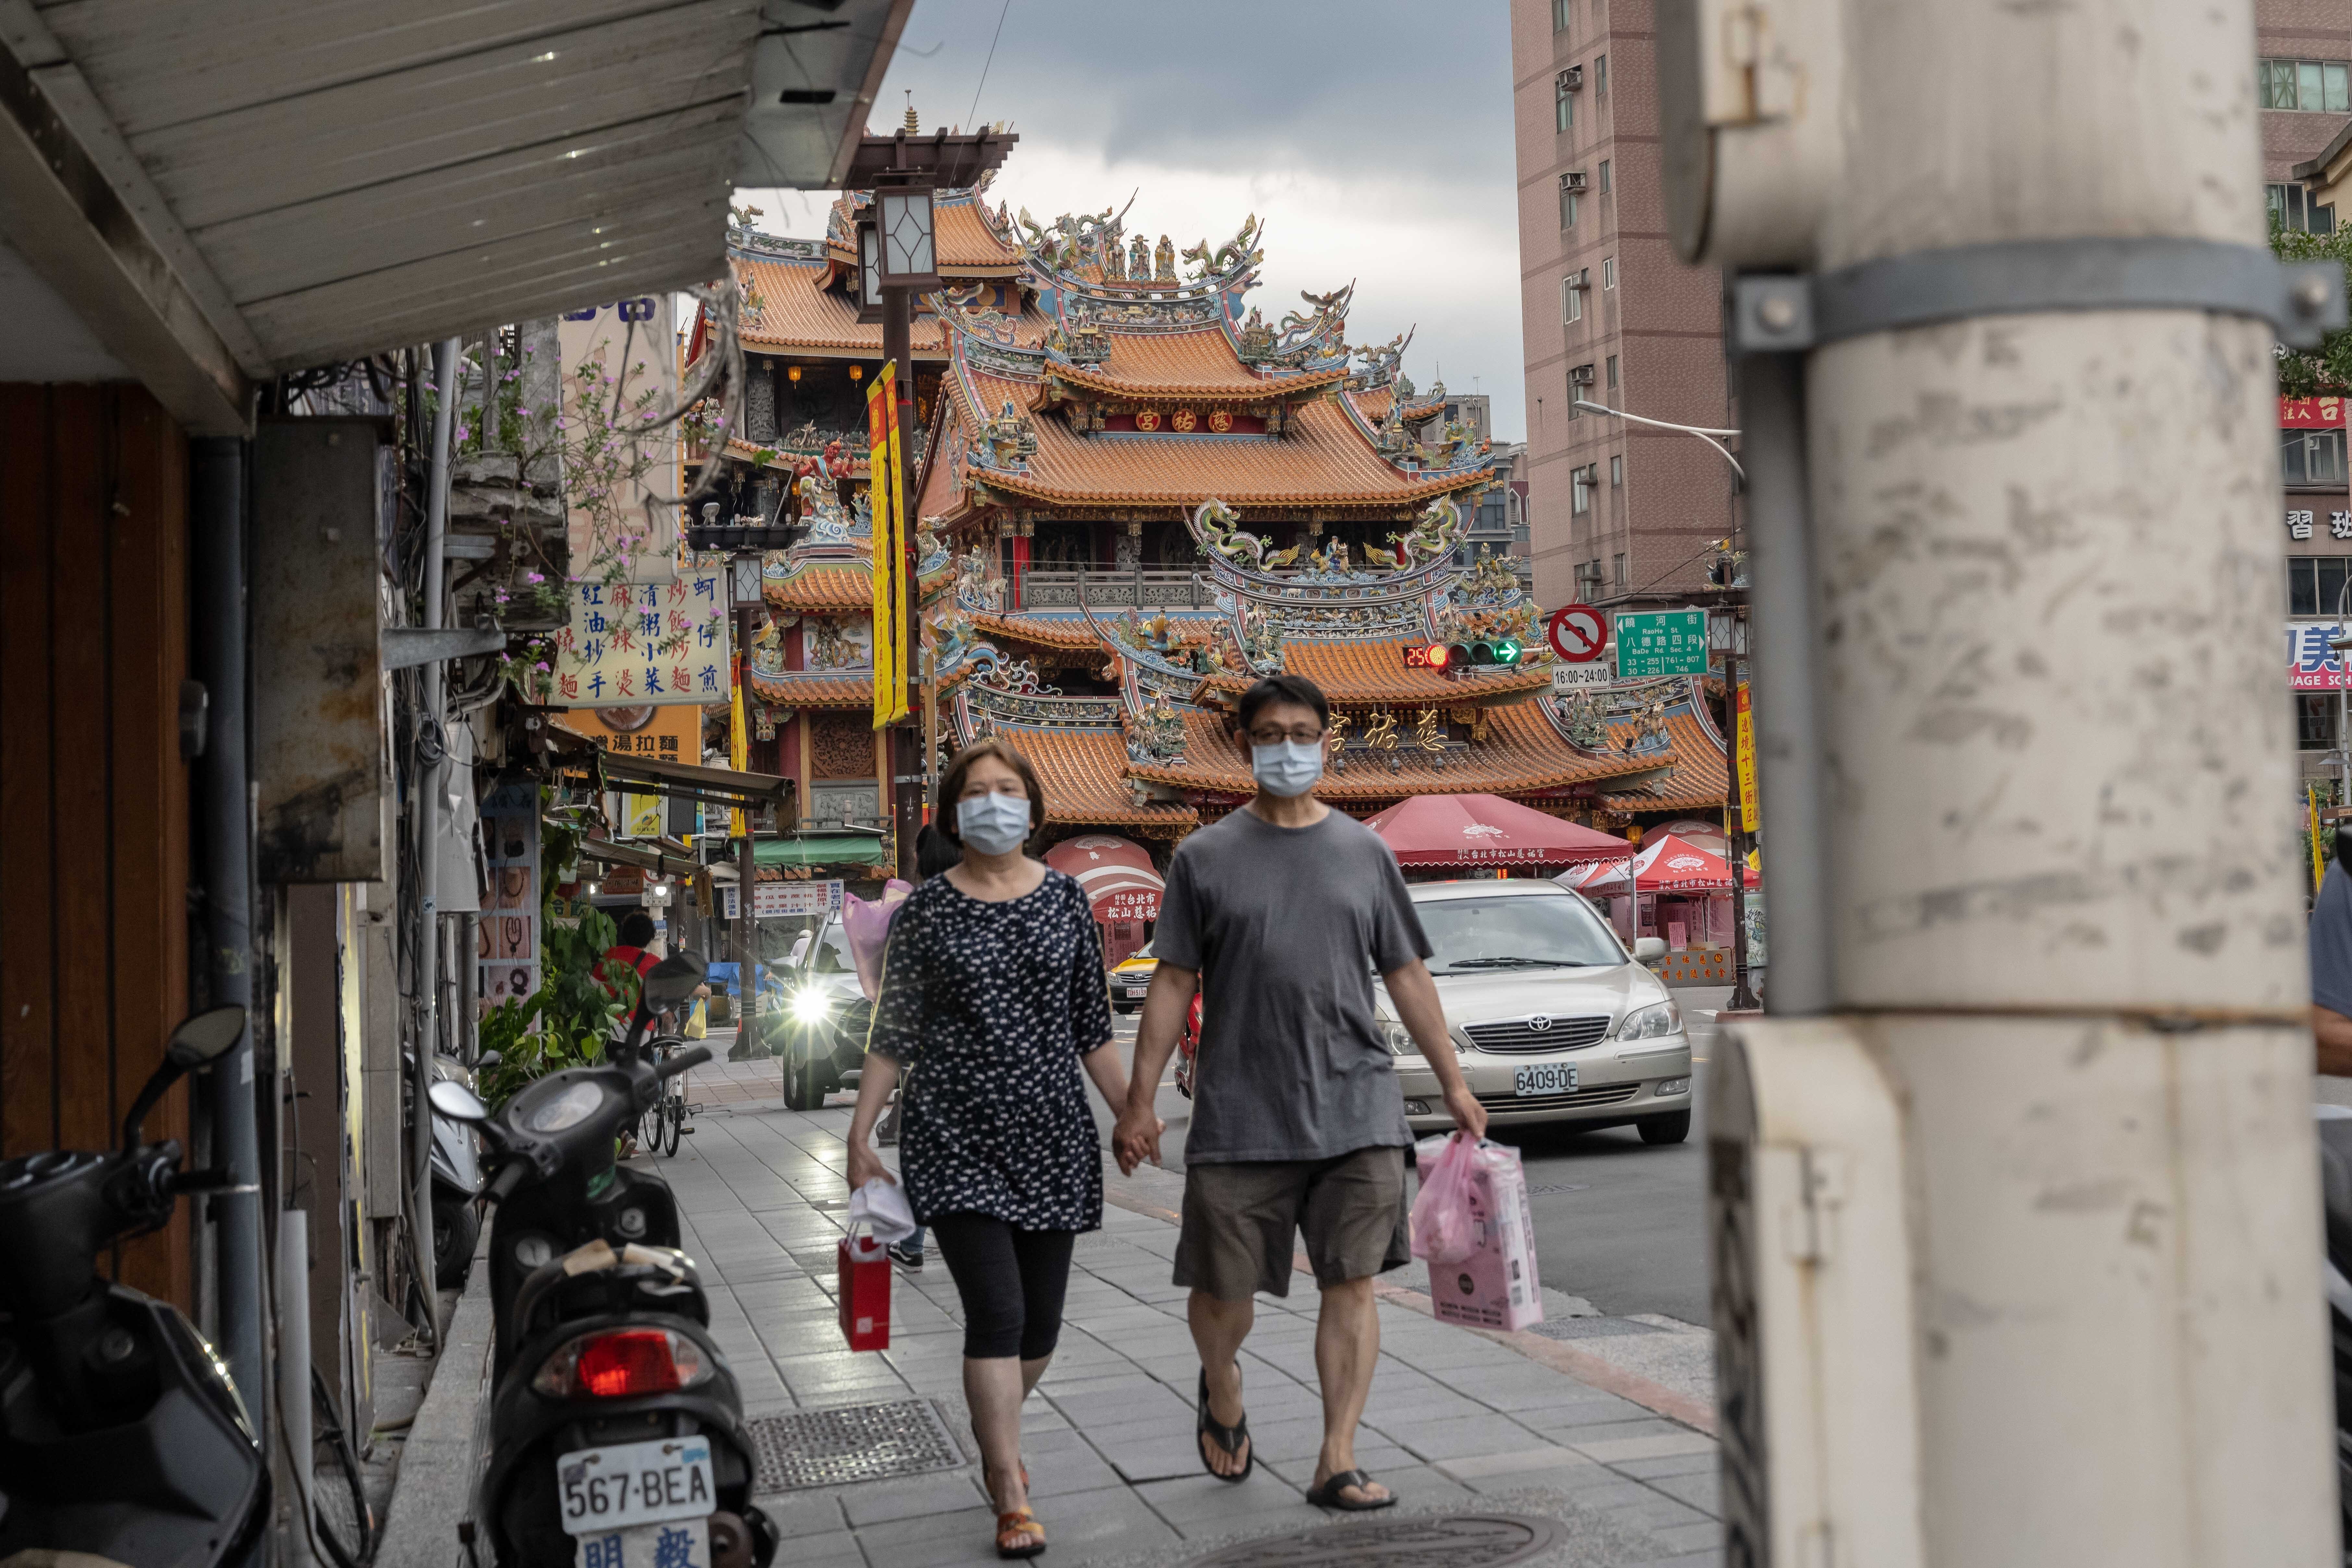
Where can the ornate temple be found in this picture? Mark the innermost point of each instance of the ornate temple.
(1137, 495)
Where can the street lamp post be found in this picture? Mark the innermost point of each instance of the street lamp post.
(897, 254)
(1736, 826)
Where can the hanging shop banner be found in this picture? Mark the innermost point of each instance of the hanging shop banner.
(508, 945)
(2311, 664)
(2311, 413)
(620, 371)
(1746, 742)
(641, 815)
(1652, 642)
(644, 644)
(882, 492)
(782, 900)
(672, 734)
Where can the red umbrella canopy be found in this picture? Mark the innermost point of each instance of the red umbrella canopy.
(1486, 830)
(1667, 864)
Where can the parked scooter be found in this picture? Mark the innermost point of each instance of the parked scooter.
(456, 1169)
(616, 1427)
(120, 1433)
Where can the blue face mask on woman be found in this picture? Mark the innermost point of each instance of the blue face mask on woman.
(994, 824)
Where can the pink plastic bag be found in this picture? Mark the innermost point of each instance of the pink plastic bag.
(1478, 1234)
(867, 924)
(1445, 1224)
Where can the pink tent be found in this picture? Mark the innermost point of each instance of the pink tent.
(1485, 830)
(1664, 865)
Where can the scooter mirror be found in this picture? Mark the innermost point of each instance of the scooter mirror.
(199, 1039)
(488, 1060)
(457, 1102)
(673, 980)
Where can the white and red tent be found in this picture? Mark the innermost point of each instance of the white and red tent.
(1115, 873)
(1668, 864)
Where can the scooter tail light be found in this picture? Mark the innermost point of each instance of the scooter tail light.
(622, 1363)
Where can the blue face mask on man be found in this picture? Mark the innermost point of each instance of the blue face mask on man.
(994, 824)
(1287, 767)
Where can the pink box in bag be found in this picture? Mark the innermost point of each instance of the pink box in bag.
(1496, 1287)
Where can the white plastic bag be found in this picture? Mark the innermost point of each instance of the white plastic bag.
(1444, 1225)
(882, 1208)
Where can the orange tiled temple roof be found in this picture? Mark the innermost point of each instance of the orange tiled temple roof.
(1323, 460)
(1084, 774)
(1183, 365)
(1374, 671)
(1700, 779)
(826, 689)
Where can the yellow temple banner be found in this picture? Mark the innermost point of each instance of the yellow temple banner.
(881, 486)
(738, 745)
(1744, 753)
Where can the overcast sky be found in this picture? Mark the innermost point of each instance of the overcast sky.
(1372, 136)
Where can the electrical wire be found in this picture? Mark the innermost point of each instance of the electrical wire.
(990, 61)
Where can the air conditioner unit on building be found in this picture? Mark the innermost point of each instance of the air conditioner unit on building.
(1581, 375)
(1573, 180)
(1572, 80)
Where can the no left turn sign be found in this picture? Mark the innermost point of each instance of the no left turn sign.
(1577, 634)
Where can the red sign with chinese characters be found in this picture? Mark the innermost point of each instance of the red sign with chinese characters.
(2311, 413)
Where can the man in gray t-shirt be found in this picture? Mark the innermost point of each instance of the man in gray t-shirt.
(1280, 915)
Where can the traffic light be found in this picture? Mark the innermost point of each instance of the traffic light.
(1453, 658)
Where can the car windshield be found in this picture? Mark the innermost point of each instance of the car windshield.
(1143, 951)
(829, 955)
(1542, 932)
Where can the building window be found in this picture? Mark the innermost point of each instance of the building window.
(2315, 721)
(1604, 176)
(2292, 207)
(1571, 300)
(1580, 491)
(1608, 263)
(1617, 472)
(2315, 583)
(1568, 201)
(1613, 372)
(1601, 75)
(1617, 569)
(1563, 104)
(2322, 87)
(1559, 15)
(2310, 457)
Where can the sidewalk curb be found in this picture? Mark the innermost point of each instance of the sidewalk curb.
(435, 1486)
(1609, 1378)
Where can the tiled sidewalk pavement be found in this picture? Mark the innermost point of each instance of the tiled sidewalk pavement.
(1456, 1420)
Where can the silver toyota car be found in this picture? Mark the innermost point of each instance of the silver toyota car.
(1553, 1019)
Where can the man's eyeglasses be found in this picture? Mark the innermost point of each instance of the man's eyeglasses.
(1304, 735)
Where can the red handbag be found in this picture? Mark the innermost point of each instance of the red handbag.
(865, 1291)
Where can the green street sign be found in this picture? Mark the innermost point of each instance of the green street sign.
(1661, 642)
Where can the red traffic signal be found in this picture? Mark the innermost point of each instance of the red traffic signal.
(1436, 655)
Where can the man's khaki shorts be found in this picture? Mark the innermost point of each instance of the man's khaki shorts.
(1240, 1219)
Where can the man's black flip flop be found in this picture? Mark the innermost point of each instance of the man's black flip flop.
(1328, 1494)
(1229, 1439)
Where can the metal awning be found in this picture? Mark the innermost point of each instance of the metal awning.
(221, 193)
(659, 862)
(819, 849)
(608, 769)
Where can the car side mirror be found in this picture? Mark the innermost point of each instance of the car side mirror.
(456, 1102)
(1649, 949)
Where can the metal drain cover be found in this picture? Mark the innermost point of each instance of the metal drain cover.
(1436, 1540)
(850, 1443)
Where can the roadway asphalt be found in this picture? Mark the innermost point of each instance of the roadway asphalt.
(1618, 1222)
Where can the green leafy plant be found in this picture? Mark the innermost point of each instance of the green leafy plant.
(2310, 372)
(565, 1022)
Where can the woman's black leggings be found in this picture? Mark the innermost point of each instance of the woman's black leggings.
(1012, 1282)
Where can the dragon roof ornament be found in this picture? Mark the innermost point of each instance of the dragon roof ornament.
(1381, 362)
(1422, 562)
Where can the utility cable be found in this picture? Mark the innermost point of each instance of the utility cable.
(990, 61)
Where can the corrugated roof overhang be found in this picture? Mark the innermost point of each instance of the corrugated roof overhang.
(223, 193)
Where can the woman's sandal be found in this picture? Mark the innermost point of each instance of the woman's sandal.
(1229, 1439)
(1328, 1494)
(1018, 1535)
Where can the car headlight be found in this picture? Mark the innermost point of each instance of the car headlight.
(1397, 1038)
(1649, 1023)
(811, 1007)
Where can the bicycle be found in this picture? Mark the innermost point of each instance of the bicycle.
(661, 1124)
